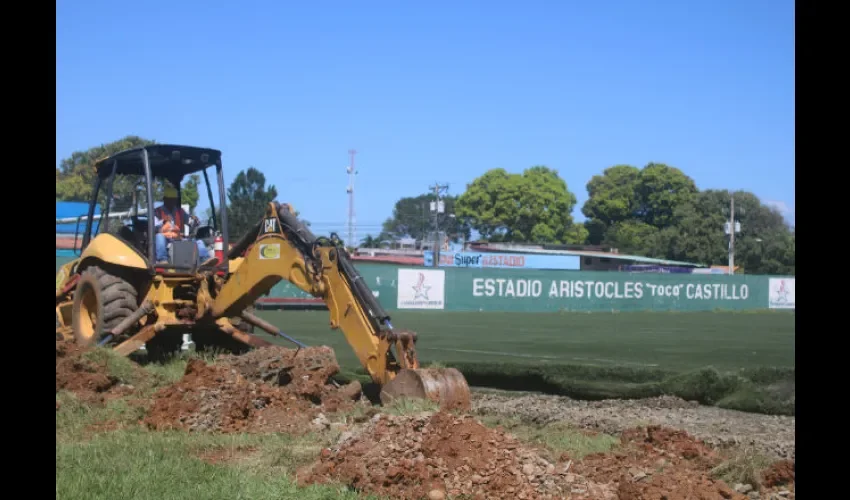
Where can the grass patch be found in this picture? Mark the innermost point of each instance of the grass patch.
(556, 438)
(707, 385)
(166, 373)
(74, 417)
(745, 466)
(410, 406)
(117, 366)
(770, 391)
(147, 465)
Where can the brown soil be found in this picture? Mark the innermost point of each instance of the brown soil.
(220, 398)
(304, 372)
(439, 455)
(659, 463)
(780, 473)
(88, 380)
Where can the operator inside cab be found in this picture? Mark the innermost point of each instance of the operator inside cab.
(171, 221)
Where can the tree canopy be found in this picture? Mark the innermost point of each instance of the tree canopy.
(190, 194)
(412, 218)
(655, 211)
(533, 206)
(624, 193)
(248, 197)
(75, 175)
(75, 178)
(765, 245)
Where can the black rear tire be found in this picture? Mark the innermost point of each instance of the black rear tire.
(107, 298)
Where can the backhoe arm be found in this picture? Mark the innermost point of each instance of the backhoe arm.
(281, 248)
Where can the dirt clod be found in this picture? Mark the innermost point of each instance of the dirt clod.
(267, 390)
(75, 373)
(780, 473)
(656, 462)
(440, 454)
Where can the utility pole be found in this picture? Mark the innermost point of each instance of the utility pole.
(437, 208)
(350, 190)
(732, 234)
(731, 228)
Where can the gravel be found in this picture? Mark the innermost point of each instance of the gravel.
(770, 435)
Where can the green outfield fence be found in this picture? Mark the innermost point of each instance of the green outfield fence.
(420, 288)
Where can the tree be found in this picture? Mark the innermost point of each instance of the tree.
(412, 217)
(248, 198)
(660, 190)
(765, 244)
(370, 242)
(631, 237)
(625, 193)
(190, 193)
(75, 175)
(612, 195)
(534, 206)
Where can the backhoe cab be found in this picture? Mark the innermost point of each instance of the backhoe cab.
(117, 294)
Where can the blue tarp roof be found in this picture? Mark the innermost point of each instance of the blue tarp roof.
(72, 209)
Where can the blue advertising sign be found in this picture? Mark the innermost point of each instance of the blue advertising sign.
(504, 260)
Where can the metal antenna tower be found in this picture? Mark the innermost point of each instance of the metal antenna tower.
(351, 240)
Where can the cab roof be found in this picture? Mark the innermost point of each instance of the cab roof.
(166, 161)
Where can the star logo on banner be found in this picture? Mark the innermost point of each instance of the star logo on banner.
(420, 289)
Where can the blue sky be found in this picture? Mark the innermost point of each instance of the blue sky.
(437, 91)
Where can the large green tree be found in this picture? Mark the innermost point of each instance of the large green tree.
(660, 190)
(765, 245)
(75, 178)
(535, 206)
(248, 198)
(412, 217)
(631, 236)
(626, 205)
(190, 193)
(75, 175)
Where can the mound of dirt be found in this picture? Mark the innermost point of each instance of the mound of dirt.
(88, 380)
(220, 398)
(656, 463)
(439, 455)
(304, 372)
(780, 473)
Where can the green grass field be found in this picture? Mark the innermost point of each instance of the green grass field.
(742, 360)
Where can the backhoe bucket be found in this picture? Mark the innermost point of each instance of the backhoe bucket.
(445, 386)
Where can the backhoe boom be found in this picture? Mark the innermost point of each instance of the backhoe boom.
(280, 247)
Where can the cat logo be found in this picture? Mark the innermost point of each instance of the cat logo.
(270, 251)
(270, 225)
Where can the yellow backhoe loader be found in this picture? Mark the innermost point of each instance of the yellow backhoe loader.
(118, 294)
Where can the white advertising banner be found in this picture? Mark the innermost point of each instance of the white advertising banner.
(421, 289)
(781, 293)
